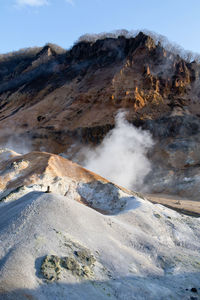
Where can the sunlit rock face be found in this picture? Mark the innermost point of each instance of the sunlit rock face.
(76, 93)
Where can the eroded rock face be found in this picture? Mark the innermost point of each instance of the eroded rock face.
(75, 94)
(175, 157)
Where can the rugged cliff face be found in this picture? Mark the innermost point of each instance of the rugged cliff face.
(56, 98)
(79, 91)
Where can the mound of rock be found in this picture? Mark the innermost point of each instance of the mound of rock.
(40, 171)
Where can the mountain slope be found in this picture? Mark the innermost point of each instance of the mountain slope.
(77, 93)
(57, 101)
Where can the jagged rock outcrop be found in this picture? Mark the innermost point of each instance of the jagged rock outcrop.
(85, 86)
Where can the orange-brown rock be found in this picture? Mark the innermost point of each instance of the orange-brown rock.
(52, 96)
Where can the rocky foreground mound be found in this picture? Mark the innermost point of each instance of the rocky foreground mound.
(45, 172)
(42, 171)
(93, 241)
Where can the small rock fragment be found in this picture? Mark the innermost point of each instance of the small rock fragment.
(71, 264)
(51, 267)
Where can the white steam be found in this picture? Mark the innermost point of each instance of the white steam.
(14, 141)
(121, 157)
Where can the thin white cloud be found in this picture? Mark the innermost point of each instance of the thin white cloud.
(70, 2)
(31, 2)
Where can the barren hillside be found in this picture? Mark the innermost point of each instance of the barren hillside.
(87, 238)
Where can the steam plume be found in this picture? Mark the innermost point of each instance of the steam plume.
(14, 141)
(121, 157)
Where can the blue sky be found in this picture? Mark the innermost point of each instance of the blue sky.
(25, 23)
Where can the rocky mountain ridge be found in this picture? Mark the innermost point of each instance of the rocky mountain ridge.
(109, 74)
(54, 99)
